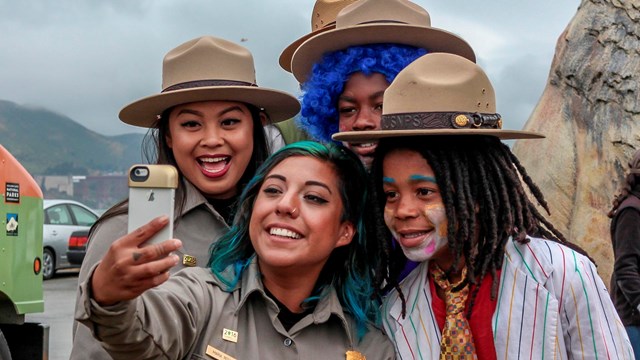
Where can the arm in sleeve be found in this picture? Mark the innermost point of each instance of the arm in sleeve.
(627, 250)
(591, 326)
(162, 323)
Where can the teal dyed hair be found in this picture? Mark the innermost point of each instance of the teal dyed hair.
(353, 270)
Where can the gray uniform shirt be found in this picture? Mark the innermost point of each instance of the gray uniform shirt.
(192, 317)
(198, 226)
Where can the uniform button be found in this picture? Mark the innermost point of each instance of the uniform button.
(288, 342)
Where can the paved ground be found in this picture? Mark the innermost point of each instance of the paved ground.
(59, 303)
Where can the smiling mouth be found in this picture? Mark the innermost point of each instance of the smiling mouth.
(364, 145)
(412, 239)
(284, 233)
(214, 165)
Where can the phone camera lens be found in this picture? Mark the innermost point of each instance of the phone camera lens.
(139, 174)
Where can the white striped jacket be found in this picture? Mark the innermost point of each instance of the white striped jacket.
(551, 305)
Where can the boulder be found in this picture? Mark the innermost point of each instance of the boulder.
(590, 114)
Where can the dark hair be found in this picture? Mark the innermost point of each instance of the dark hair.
(481, 183)
(156, 150)
(319, 111)
(630, 185)
(350, 269)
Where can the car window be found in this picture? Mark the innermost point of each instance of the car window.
(57, 215)
(83, 216)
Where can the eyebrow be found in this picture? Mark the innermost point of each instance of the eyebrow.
(388, 180)
(352, 99)
(308, 183)
(418, 177)
(221, 113)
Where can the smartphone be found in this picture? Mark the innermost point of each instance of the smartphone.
(152, 190)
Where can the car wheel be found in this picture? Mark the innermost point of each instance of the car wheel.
(48, 264)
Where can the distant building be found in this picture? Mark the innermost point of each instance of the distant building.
(99, 192)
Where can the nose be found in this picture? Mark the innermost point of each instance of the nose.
(211, 137)
(288, 206)
(406, 208)
(366, 119)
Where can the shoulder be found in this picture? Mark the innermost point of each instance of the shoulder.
(376, 344)
(549, 260)
(290, 131)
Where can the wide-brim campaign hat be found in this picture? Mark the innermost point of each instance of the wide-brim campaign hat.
(378, 22)
(439, 94)
(323, 18)
(204, 69)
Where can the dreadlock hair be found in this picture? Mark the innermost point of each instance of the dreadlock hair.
(351, 269)
(630, 186)
(481, 184)
(155, 150)
(325, 84)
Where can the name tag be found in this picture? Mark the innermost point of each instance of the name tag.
(188, 260)
(230, 335)
(217, 354)
(354, 355)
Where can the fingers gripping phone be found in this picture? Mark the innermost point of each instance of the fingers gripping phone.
(152, 191)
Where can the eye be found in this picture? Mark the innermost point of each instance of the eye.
(229, 122)
(390, 195)
(378, 107)
(316, 199)
(271, 190)
(346, 110)
(190, 124)
(425, 192)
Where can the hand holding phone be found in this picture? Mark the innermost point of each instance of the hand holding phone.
(151, 194)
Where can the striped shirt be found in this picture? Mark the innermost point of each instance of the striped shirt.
(551, 305)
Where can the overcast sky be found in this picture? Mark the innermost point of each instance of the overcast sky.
(87, 59)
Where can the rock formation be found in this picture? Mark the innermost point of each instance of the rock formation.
(590, 114)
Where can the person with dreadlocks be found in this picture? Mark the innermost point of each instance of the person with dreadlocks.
(344, 70)
(496, 280)
(625, 237)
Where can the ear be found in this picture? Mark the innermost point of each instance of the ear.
(264, 119)
(347, 230)
(168, 139)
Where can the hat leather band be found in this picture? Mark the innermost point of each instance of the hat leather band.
(440, 120)
(206, 83)
(382, 22)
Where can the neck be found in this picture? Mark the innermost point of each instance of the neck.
(445, 262)
(290, 287)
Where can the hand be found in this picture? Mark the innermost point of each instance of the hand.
(129, 269)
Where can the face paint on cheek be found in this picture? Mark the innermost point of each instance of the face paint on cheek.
(388, 220)
(437, 216)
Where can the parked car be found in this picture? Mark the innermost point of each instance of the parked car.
(61, 218)
(77, 247)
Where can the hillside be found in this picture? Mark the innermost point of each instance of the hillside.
(47, 143)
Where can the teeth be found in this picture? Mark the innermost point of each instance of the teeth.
(365, 145)
(414, 235)
(213, 160)
(284, 233)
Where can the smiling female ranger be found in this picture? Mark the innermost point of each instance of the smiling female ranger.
(292, 279)
(206, 122)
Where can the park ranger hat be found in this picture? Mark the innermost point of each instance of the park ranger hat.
(204, 69)
(367, 22)
(323, 18)
(439, 94)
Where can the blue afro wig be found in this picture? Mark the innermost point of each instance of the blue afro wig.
(325, 84)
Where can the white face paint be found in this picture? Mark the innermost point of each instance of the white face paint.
(414, 211)
(421, 244)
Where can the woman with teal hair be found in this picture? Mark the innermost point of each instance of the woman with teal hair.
(297, 274)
